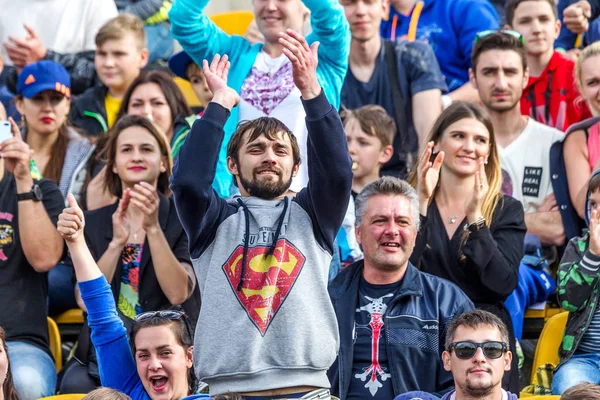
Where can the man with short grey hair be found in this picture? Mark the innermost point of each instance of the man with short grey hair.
(390, 315)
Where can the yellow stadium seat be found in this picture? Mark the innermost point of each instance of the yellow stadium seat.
(188, 92)
(233, 22)
(549, 343)
(64, 397)
(550, 397)
(55, 343)
(70, 317)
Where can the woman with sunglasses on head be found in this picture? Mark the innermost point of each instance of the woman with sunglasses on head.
(470, 233)
(158, 365)
(138, 241)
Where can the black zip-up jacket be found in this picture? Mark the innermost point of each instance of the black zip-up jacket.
(416, 320)
(88, 112)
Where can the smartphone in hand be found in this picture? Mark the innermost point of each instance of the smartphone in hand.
(5, 131)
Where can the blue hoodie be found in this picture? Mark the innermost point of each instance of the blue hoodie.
(449, 26)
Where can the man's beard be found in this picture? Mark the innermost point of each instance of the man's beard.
(502, 108)
(478, 391)
(265, 190)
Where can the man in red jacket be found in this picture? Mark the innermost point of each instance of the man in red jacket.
(550, 96)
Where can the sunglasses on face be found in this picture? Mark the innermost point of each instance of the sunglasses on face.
(167, 314)
(483, 34)
(466, 350)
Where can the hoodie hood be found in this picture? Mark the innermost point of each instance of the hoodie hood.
(587, 211)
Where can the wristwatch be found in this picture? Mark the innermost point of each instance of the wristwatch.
(35, 194)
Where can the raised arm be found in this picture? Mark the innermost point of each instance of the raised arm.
(41, 244)
(329, 165)
(115, 361)
(330, 29)
(199, 207)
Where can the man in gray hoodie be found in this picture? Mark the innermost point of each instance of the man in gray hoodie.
(266, 326)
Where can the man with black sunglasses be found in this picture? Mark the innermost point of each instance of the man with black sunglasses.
(477, 355)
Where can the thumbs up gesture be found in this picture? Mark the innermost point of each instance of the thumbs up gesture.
(71, 222)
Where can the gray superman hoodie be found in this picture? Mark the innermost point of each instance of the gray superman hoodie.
(266, 321)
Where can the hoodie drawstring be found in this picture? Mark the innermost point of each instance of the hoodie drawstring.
(247, 237)
(246, 240)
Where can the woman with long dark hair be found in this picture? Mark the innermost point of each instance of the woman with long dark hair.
(6, 380)
(470, 233)
(155, 95)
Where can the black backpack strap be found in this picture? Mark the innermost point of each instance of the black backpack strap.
(399, 109)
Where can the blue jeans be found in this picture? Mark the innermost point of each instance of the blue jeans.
(579, 368)
(32, 369)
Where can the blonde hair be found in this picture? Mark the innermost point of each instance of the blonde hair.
(105, 394)
(458, 111)
(118, 27)
(590, 51)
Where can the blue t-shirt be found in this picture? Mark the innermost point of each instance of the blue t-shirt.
(418, 71)
(449, 27)
(371, 376)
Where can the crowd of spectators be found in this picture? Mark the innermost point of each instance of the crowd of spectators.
(369, 196)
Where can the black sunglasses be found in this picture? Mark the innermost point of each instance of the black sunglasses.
(466, 350)
(167, 314)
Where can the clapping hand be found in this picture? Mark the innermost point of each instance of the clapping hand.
(480, 189)
(304, 62)
(120, 222)
(429, 173)
(71, 222)
(145, 197)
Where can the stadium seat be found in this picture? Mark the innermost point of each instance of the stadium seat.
(70, 317)
(543, 398)
(233, 22)
(549, 343)
(64, 397)
(55, 343)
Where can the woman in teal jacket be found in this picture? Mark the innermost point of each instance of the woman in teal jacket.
(202, 39)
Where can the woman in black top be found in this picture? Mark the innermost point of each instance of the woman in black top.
(138, 241)
(470, 233)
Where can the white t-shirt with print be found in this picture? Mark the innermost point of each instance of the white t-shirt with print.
(525, 165)
(269, 91)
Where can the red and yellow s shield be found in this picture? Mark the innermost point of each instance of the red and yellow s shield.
(268, 280)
